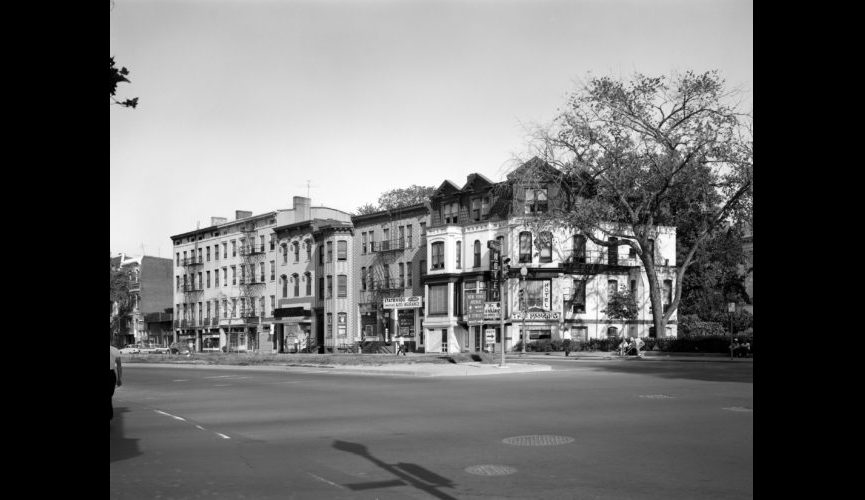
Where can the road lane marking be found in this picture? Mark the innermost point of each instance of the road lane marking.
(181, 380)
(220, 376)
(223, 436)
(325, 480)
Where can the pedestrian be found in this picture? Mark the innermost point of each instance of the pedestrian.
(116, 375)
(400, 347)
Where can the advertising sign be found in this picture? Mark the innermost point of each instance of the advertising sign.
(402, 302)
(490, 335)
(475, 307)
(547, 294)
(537, 315)
(405, 319)
(492, 310)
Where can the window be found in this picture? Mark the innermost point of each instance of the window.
(450, 212)
(295, 247)
(401, 275)
(208, 257)
(537, 294)
(184, 257)
(402, 237)
(613, 251)
(423, 228)
(224, 276)
(438, 299)
(363, 242)
(225, 308)
(545, 239)
(272, 270)
(408, 274)
(321, 287)
(386, 272)
(308, 245)
(233, 248)
(330, 251)
(668, 294)
(612, 286)
(536, 200)
(233, 308)
(633, 288)
(177, 279)
(476, 209)
(578, 251)
(178, 258)
(485, 206)
(216, 252)
(342, 285)
(578, 296)
(385, 239)
(321, 255)
(261, 271)
(459, 254)
(363, 279)
(308, 277)
(284, 280)
(272, 304)
(216, 309)
(330, 323)
(224, 249)
(208, 279)
(261, 300)
(341, 250)
(438, 255)
(525, 246)
(372, 241)
(296, 280)
(284, 248)
(422, 267)
(477, 262)
(408, 236)
(200, 282)
(199, 257)
(329, 286)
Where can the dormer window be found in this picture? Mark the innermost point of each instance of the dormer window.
(450, 212)
(536, 200)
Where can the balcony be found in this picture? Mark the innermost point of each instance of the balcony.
(192, 287)
(598, 262)
(192, 261)
(388, 284)
(247, 250)
(251, 280)
(394, 245)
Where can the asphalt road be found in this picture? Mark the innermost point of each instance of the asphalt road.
(587, 429)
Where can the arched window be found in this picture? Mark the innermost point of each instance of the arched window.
(284, 253)
(308, 245)
(284, 280)
(477, 262)
(308, 277)
(296, 249)
(296, 279)
(545, 238)
(525, 246)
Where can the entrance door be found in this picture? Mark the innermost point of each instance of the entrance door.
(444, 340)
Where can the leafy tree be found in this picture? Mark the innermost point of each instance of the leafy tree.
(121, 301)
(627, 156)
(412, 195)
(115, 76)
(366, 209)
(715, 276)
(621, 306)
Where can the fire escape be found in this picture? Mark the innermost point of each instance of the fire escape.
(192, 289)
(252, 279)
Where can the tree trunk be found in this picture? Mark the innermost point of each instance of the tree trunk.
(658, 318)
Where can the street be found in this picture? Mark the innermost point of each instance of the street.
(587, 429)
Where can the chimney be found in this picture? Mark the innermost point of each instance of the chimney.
(241, 214)
(301, 208)
(215, 221)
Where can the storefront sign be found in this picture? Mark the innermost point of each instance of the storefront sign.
(537, 315)
(547, 294)
(490, 335)
(492, 310)
(475, 306)
(402, 302)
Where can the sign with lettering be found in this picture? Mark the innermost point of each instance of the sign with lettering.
(490, 335)
(537, 315)
(402, 302)
(492, 310)
(475, 307)
(547, 294)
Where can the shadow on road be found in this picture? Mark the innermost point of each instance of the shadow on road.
(121, 447)
(710, 371)
(407, 473)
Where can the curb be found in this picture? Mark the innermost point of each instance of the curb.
(465, 370)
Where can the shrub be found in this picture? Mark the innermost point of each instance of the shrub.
(692, 326)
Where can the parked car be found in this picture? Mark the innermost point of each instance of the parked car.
(159, 350)
(178, 348)
(131, 349)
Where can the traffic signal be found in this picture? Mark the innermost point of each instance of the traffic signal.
(505, 267)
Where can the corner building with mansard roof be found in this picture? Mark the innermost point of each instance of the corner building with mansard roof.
(568, 278)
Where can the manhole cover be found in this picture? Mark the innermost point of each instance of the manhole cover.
(738, 408)
(656, 396)
(538, 440)
(490, 470)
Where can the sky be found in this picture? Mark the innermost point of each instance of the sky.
(244, 104)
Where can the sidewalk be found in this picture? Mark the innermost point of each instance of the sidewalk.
(647, 355)
(406, 369)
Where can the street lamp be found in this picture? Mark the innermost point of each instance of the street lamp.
(523, 273)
